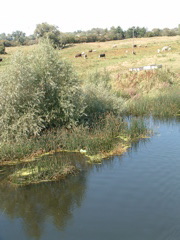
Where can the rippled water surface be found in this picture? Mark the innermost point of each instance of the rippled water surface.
(131, 197)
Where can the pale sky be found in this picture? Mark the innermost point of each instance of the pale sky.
(73, 15)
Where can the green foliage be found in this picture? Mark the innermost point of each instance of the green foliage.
(2, 49)
(102, 137)
(38, 91)
(51, 32)
(19, 37)
(100, 98)
(164, 104)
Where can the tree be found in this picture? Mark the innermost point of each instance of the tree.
(45, 30)
(157, 32)
(19, 37)
(38, 91)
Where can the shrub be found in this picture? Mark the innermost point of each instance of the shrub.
(38, 91)
(2, 49)
(99, 97)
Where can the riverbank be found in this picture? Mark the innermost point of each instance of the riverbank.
(113, 137)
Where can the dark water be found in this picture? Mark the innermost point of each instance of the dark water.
(131, 197)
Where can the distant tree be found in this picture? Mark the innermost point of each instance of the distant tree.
(168, 32)
(129, 33)
(45, 30)
(157, 32)
(3, 36)
(140, 32)
(136, 32)
(19, 37)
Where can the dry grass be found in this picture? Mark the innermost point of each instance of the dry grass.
(118, 60)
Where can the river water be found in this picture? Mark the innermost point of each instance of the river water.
(135, 196)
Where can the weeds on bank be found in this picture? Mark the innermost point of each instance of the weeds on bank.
(100, 137)
(162, 104)
(141, 83)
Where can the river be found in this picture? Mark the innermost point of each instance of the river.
(135, 196)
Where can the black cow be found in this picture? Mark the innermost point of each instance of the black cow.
(0, 59)
(78, 55)
(102, 55)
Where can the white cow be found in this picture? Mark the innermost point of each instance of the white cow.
(166, 48)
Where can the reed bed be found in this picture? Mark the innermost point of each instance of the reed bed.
(100, 137)
(161, 104)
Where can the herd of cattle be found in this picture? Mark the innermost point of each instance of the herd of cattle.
(83, 54)
(103, 55)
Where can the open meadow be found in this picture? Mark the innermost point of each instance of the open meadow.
(119, 57)
(118, 60)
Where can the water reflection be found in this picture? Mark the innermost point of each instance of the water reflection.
(134, 196)
(34, 204)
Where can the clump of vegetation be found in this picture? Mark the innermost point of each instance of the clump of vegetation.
(161, 104)
(142, 83)
(38, 91)
(100, 98)
(2, 48)
(43, 169)
(110, 135)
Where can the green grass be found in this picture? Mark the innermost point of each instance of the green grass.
(99, 138)
(161, 104)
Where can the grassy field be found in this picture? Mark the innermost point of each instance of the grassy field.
(119, 59)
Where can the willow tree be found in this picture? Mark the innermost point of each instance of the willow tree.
(38, 91)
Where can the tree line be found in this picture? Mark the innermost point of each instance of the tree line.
(60, 39)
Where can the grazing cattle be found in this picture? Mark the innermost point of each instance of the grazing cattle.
(102, 55)
(83, 54)
(94, 50)
(78, 55)
(134, 45)
(166, 48)
(0, 59)
(158, 51)
(90, 50)
(115, 46)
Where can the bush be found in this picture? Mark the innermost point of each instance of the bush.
(38, 91)
(2, 49)
(99, 97)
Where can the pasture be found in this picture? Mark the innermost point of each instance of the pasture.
(118, 60)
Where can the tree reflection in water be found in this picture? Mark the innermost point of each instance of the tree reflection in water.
(36, 203)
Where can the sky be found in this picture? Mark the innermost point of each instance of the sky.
(73, 15)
